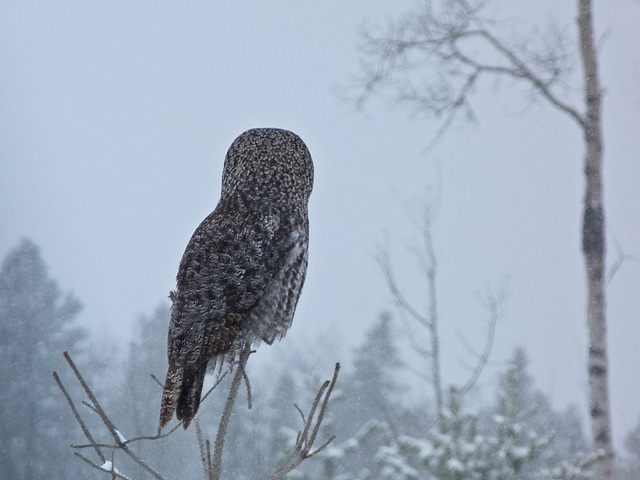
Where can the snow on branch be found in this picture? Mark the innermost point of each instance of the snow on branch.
(212, 463)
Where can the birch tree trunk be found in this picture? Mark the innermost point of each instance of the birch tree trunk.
(593, 248)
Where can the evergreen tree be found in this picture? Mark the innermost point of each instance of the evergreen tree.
(514, 440)
(519, 397)
(366, 411)
(36, 325)
(373, 386)
(630, 466)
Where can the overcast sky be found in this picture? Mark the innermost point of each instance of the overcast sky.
(115, 118)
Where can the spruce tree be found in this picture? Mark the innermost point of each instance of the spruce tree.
(37, 323)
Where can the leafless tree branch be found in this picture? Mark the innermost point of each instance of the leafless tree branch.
(437, 41)
(205, 454)
(76, 414)
(248, 385)
(211, 465)
(218, 445)
(620, 259)
(217, 382)
(494, 303)
(112, 471)
(119, 441)
(399, 298)
(425, 254)
(307, 436)
(155, 379)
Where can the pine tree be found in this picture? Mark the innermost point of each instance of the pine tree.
(518, 394)
(514, 440)
(36, 325)
(365, 412)
(372, 386)
(525, 414)
(630, 466)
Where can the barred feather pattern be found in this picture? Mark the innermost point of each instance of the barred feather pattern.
(241, 274)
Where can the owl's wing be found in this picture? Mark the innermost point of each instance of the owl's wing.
(240, 270)
(239, 279)
(272, 315)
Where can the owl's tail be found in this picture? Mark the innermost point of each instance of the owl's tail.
(181, 394)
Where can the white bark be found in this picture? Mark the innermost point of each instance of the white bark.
(593, 247)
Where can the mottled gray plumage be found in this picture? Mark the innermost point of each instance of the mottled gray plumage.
(241, 274)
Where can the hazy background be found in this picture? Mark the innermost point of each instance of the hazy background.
(115, 118)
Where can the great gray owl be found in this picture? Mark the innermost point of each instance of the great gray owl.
(242, 271)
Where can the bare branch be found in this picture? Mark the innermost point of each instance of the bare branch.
(415, 341)
(108, 423)
(205, 454)
(436, 43)
(306, 437)
(218, 380)
(304, 420)
(113, 472)
(89, 406)
(155, 379)
(427, 260)
(525, 72)
(76, 414)
(246, 382)
(211, 464)
(130, 440)
(216, 464)
(494, 303)
(620, 259)
(208, 449)
(387, 271)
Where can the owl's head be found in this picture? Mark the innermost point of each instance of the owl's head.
(269, 164)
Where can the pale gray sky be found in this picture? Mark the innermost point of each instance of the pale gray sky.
(115, 118)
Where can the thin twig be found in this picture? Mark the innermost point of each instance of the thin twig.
(385, 266)
(156, 380)
(204, 453)
(300, 412)
(246, 382)
(304, 440)
(107, 421)
(130, 440)
(324, 406)
(208, 448)
(113, 472)
(493, 303)
(89, 406)
(76, 414)
(214, 386)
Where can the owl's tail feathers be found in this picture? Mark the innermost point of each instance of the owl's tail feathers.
(189, 400)
(181, 394)
(170, 394)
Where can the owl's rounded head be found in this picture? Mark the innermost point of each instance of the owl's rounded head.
(269, 164)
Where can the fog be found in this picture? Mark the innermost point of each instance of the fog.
(115, 118)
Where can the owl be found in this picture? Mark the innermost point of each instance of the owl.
(241, 274)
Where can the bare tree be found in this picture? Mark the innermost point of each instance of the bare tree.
(428, 321)
(445, 48)
(106, 452)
